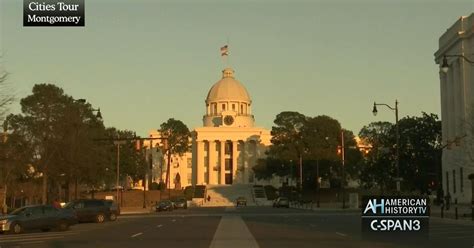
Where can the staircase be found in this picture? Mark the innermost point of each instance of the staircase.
(260, 197)
(226, 195)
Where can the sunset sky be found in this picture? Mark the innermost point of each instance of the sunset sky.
(147, 61)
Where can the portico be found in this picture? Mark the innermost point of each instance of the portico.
(228, 145)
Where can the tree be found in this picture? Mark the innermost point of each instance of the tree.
(177, 139)
(287, 141)
(322, 135)
(6, 98)
(378, 168)
(314, 140)
(15, 157)
(420, 153)
(60, 130)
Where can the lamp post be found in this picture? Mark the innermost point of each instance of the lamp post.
(374, 111)
(343, 170)
(298, 138)
(118, 143)
(445, 66)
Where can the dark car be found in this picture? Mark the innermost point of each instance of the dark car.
(91, 210)
(114, 209)
(180, 203)
(165, 205)
(281, 202)
(241, 201)
(42, 217)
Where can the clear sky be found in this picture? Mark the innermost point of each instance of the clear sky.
(143, 62)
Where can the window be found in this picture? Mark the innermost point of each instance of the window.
(454, 181)
(233, 107)
(223, 106)
(228, 164)
(190, 162)
(50, 210)
(461, 178)
(190, 178)
(228, 148)
(36, 211)
(214, 105)
(93, 204)
(79, 205)
(242, 109)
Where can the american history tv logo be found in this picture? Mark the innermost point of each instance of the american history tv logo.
(406, 216)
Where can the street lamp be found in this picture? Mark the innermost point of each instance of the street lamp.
(98, 115)
(445, 66)
(343, 158)
(374, 111)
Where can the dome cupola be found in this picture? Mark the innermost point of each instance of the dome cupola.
(228, 89)
(228, 103)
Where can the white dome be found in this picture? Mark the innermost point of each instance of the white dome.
(228, 89)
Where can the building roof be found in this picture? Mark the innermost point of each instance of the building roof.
(228, 89)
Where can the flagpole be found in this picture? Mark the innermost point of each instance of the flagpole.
(228, 45)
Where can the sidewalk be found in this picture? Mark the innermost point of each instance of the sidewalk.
(323, 206)
(135, 210)
(464, 213)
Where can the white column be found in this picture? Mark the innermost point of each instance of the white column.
(449, 104)
(222, 162)
(444, 106)
(244, 162)
(200, 162)
(456, 98)
(235, 156)
(212, 162)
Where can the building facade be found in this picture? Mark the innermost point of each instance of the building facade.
(227, 146)
(457, 107)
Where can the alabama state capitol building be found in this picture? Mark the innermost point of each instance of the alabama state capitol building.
(226, 147)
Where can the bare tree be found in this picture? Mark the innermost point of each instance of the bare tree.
(6, 98)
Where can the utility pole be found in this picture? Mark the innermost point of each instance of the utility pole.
(118, 143)
(318, 185)
(301, 172)
(343, 183)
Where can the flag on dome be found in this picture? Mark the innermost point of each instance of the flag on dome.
(225, 50)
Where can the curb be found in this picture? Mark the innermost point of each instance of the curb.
(466, 222)
(328, 209)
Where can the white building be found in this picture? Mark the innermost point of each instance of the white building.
(227, 146)
(457, 107)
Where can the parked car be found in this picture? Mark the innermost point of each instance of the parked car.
(114, 209)
(241, 201)
(91, 210)
(180, 203)
(42, 217)
(164, 205)
(281, 202)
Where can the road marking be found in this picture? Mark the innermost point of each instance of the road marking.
(449, 232)
(136, 234)
(341, 234)
(31, 243)
(29, 239)
(235, 213)
(460, 237)
(173, 220)
(312, 225)
(159, 226)
(230, 209)
(38, 234)
(232, 232)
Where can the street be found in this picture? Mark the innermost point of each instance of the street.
(235, 227)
